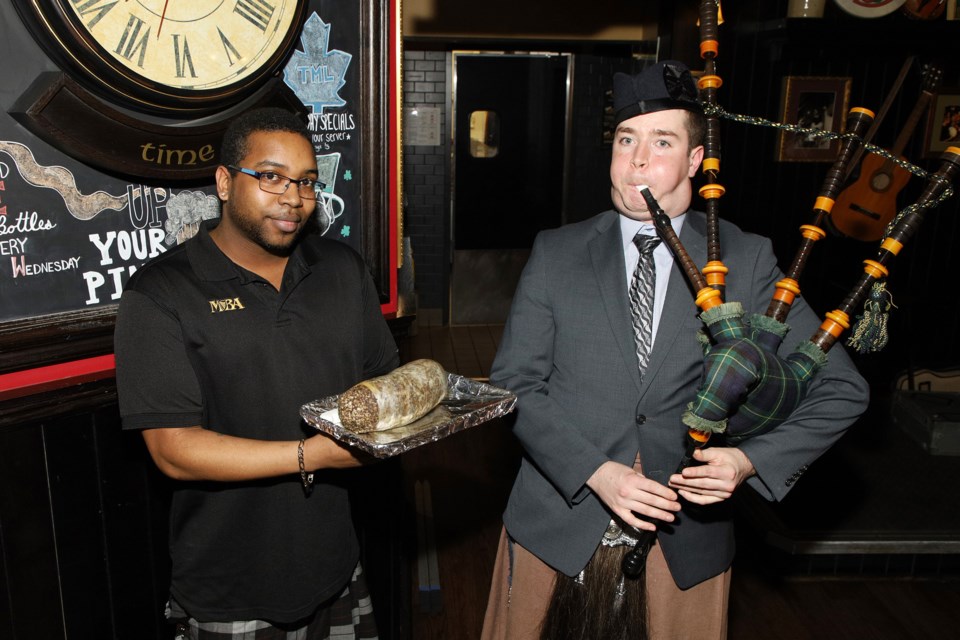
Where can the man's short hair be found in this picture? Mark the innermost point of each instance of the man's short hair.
(696, 128)
(237, 136)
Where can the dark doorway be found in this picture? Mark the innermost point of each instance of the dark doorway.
(510, 122)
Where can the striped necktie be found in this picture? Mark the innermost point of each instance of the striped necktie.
(641, 298)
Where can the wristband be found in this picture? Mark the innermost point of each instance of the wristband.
(305, 478)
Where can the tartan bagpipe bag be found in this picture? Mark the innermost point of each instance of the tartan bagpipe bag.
(748, 389)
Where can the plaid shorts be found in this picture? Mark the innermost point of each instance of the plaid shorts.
(349, 617)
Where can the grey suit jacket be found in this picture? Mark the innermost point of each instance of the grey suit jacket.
(568, 354)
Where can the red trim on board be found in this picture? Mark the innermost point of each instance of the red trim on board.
(393, 186)
(55, 376)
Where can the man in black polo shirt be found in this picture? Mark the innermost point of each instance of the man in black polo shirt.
(218, 343)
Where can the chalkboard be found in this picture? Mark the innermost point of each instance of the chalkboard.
(71, 235)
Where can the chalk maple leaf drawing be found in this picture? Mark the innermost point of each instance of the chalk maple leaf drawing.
(316, 74)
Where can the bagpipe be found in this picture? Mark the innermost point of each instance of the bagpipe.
(747, 388)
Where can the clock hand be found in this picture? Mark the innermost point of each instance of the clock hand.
(162, 16)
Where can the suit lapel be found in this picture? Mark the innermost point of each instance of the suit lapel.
(679, 303)
(606, 254)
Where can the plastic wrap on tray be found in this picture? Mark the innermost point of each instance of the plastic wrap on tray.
(468, 403)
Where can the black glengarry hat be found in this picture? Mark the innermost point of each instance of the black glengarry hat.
(665, 85)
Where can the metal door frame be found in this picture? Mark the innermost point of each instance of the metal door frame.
(567, 128)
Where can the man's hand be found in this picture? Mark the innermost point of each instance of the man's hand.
(724, 470)
(323, 452)
(625, 491)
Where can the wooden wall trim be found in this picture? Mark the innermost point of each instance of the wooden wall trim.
(76, 399)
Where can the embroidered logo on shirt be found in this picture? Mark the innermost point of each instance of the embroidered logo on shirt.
(227, 304)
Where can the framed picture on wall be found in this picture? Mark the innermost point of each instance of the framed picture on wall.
(943, 122)
(813, 103)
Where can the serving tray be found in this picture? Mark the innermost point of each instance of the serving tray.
(468, 403)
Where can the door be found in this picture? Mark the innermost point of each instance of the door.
(510, 122)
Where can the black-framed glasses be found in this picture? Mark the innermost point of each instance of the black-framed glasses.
(277, 184)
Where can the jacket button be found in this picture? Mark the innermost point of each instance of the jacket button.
(641, 418)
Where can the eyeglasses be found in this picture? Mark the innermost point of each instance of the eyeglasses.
(273, 182)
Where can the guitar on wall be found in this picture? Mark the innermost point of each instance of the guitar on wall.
(865, 208)
(924, 9)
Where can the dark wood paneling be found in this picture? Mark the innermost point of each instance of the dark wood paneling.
(77, 510)
(136, 502)
(28, 539)
(83, 520)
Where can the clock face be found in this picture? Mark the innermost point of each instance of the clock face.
(169, 55)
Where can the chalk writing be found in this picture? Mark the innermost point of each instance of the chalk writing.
(332, 122)
(13, 246)
(26, 222)
(95, 280)
(142, 244)
(315, 73)
(124, 246)
(143, 204)
(23, 268)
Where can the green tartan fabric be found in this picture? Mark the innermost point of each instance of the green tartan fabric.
(747, 388)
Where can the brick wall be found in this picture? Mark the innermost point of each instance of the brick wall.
(426, 183)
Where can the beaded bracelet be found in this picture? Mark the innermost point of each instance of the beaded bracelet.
(305, 478)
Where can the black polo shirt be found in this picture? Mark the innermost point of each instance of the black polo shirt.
(202, 341)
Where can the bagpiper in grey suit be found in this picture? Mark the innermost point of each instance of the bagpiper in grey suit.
(568, 353)
(584, 414)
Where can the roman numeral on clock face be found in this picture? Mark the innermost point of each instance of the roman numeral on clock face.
(131, 42)
(228, 48)
(96, 9)
(182, 58)
(257, 12)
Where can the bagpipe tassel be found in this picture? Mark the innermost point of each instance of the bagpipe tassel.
(870, 330)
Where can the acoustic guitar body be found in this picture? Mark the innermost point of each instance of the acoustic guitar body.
(924, 9)
(864, 209)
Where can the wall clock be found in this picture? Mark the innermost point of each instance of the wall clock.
(169, 57)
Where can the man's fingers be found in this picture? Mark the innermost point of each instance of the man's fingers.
(703, 499)
(631, 518)
(703, 485)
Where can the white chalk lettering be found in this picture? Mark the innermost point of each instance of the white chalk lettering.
(142, 244)
(332, 122)
(319, 73)
(13, 246)
(23, 268)
(104, 247)
(143, 204)
(95, 280)
(26, 222)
